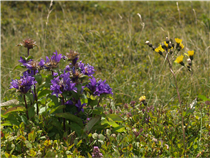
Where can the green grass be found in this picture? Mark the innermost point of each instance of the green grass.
(111, 37)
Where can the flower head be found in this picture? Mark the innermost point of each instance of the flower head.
(86, 69)
(99, 87)
(159, 50)
(28, 43)
(181, 46)
(142, 98)
(62, 84)
(179, 60)
(24, 84)
(190, 54)
(51, 62)
(166, 44)
(178, 40)
(72, 56)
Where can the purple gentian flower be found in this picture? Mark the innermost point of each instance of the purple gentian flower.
(24, 84)
(80, 106)
(62, 83)
(22, 60)
(51, 62)
(86, 69)
(99, 87)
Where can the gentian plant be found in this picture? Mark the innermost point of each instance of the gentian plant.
(58, 100)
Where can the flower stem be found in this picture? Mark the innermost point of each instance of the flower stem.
(177, 90)
(28, 51)
(26, 107)
(64, 120)
(37, 107)
(99, 102)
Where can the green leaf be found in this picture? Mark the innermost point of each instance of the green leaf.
(70, 117)
(110, 122)
(91, 123)
(31, 112)
(18, 67)
(115, 117)
(50, 153)
(120, 129)
(54, 99)
(31, 136)
(75, 127)
(15, 109)
(44, 92)
(98, 111)
(28, 144)
(38, 78)
(57, 108)
(202, 97)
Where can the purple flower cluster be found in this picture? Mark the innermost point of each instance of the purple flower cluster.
(32, 66)
(51, 62)
(86, 69)
(62, 83)
(24, 84)
(99, 87)
(96, 152)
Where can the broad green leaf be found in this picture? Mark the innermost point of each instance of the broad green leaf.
(57, 108)
(115, 117)
(54, 99)
(31, 112)
(202, 97)
(77, 128)
(44, 92)
(98, 111)
(18, 67)
(120, 129)
(91, 123)
(38, 78)
(71, 117)
(15, 109)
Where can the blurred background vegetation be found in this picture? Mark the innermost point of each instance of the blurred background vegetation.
(111, 37)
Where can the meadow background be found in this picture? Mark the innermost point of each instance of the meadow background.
(111, 37)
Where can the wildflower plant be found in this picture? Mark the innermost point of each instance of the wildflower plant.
(64, 99)
(172, 52)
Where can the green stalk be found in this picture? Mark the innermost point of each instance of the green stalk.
(175, 80)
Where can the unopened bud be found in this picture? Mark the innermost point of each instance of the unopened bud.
(167, 40)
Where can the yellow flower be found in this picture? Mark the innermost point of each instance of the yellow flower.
(190, 53)
(179, 60)
(166, 44)
(159, 49)
(181, 45)
(142, 98)
(178, 40)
